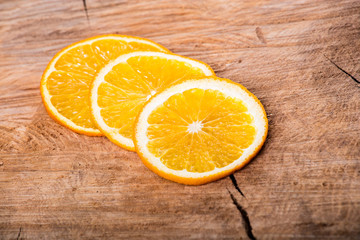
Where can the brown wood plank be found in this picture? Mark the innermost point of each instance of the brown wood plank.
(55, 184)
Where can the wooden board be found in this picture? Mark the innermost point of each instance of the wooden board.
(301, 58)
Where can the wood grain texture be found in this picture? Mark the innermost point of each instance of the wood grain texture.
(305, 182)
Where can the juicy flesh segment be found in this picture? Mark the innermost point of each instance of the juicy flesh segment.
(74, 71)
(199, 130)
(130, 84)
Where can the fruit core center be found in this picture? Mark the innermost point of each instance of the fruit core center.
(195, 127)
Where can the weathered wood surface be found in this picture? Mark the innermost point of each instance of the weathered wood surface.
(305, 183)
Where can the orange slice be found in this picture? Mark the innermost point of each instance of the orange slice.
(123, 86)
(200, 130)
(66, 80)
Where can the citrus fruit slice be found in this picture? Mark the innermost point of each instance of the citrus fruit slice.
(66, 80)
(123, 86)
(200, 130)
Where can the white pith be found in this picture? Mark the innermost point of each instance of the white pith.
(51, 68)
(150, 95)
(122, 59)
(228, 89)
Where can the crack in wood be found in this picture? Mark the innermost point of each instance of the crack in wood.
(234, 182)
(338, 67)
(244, 216)
(85, 9)
(18, 236)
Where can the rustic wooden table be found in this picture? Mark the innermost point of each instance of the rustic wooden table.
(301, 58)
